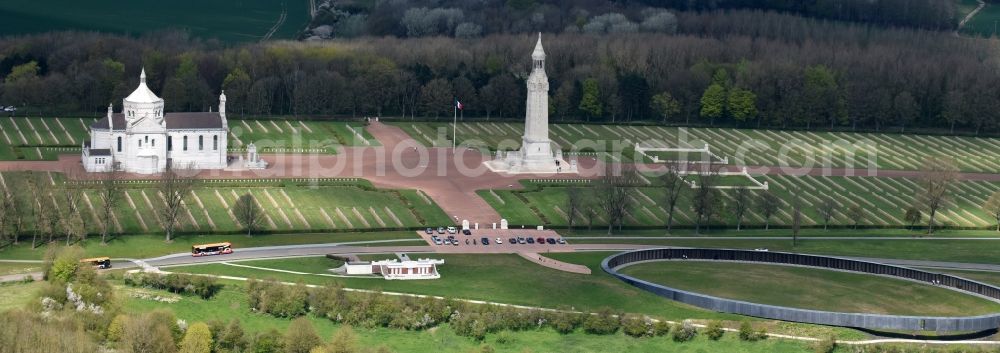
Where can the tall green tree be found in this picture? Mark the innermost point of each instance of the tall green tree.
(742, 104)
(822, 97)
(664, 105)
(590, 103)
(713, 103)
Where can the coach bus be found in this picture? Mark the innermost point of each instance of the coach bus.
(98, 262)
(212, 249)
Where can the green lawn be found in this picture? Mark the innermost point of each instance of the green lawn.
(232, 303)
(13, 268)
(289, 207)
(290, 135)
(882, 202)
(751, 147)
(241, 21)
(582, 232)
(17, 294)
(811, 288)
(145, 246)
(506, 279)
(975, 251)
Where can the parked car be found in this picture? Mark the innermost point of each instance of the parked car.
(466, 232)
(485, 241)
(550, 240)
(436, 240)
(452, 230)
(429, 230)
(520, 240)
(499, 241)
(531, 240)
(512, 241)
(540, 240)
(561, 241)
(440, 230)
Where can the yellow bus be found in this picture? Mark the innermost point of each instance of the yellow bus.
(98, 262)
(212, 249)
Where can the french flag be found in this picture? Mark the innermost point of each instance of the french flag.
(458, 105)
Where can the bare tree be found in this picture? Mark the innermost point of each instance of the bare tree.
(827, 207)
(248, 212)
(913, 216)
(856, 214)
(174, 185)
(574, 202)
(72, 220)
(740, 205)
(589, 209)
(938, 174)
(769, 205)
(673, 188)
(707, 200)
(796, 215)
(992, 207)
(110, 191)
(612, 191)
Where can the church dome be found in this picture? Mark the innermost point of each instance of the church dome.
(143, 94)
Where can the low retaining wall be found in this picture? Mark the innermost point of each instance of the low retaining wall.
(868, 321)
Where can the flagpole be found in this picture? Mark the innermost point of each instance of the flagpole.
(454, 124)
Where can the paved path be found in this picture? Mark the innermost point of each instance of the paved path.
(969, 16)
(554, 264)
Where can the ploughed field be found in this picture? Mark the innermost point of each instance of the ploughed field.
(45, 138)
(810, 288)
(745, 146)
(230, 21)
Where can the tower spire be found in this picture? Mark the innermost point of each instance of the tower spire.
(142, 76)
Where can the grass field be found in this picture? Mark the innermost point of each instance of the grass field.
(506, 279)
(289, 207)
(743, 146)
(17, 295)
(145, 246)
(232, 303)
(12, 268)
(951, 250)
(883, 202)
(32, 139)
(810, 288)
(242, 21)
(984, 24)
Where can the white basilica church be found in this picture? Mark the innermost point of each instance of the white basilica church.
(143, 139)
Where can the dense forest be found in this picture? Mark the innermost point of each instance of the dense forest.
(734, 67)
(468, 19)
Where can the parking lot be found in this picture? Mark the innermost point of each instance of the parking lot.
(473, 243)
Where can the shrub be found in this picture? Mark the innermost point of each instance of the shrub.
(661, 328)
(505, 337)
(301, 336)
(204, 287)
(747, 333)
(683, 332)
(827, 345)
(714, 330)
(268, 342)
(116, 328)
(636, 326)
(564, 322)
(198, 339)
(602, 323)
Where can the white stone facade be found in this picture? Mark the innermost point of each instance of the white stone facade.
(537, 155)
(395, 269)
(143, 139)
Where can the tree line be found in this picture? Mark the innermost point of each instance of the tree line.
(745, 68)
(464, 19)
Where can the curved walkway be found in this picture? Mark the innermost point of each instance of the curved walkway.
(979, 323)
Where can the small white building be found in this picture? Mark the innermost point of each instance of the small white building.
(396, 269)
(143, 139)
